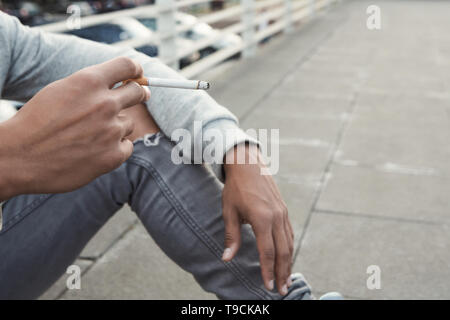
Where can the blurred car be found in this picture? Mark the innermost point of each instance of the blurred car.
(30, 13)
(199, 31)
(84, 7)
(25, 11)
(126, 28)
(102, 6)
(105, 6)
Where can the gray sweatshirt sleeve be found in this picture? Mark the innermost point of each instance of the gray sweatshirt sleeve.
(38, 58)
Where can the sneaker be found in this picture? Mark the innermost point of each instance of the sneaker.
(300, 290)
(332, 296)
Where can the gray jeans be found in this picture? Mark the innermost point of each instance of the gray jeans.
(179, 205)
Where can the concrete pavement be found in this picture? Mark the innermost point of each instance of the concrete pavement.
(364, 158)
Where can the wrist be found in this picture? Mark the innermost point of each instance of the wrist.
(9, 174)
(241, 155)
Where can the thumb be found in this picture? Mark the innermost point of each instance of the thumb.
(232, 234)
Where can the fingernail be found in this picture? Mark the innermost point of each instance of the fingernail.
(147, 93)
(226, 254)
(284, 290)
(289, 281)
(270, 285)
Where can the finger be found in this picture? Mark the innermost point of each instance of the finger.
(282, 258)
(131, 94)
(264, 241)
(126, 146)
(291, 231)
(127, 125)
(232, 233)
(290, 240)
(119, 69)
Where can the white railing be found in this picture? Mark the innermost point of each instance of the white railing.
(247, 15)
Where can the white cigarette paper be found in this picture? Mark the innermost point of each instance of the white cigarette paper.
(177, 83)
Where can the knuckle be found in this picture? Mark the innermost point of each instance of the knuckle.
(108, 105)
(138, 68)
(285, 256)
(278, 216)
(128, 63)
(291, 249)
(126, 152)
(281, 211)
(229, 237)
(268, 254)
(267, 217)
(135, 86)
(142, 93)
(130, 125)
(271, 272)
(89, 78)
(109, 102)
(138, 91)
(118, 130)
(113, 133)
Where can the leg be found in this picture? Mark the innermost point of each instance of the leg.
(180, 206)
(43, 234)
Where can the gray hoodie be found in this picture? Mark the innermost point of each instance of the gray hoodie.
(31, 59)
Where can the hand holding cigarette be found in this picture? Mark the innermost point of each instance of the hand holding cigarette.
(171, 83)
(75, 130)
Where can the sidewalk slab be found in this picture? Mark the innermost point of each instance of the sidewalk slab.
(60, 286)
(135, 268)
(411, 132)
(320, 128)
(299, 104)
(111, 232)
(387, 192)
(413, 258)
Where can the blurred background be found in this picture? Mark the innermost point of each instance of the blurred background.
(359, 91)
(188, 33)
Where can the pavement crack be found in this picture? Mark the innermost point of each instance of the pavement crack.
(379, 217)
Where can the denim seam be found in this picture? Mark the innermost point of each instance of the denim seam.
(25, 211)
(198, 231)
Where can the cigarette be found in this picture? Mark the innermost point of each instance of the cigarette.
(171, 83)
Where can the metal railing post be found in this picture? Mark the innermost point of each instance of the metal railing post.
(248, 34)
(166, 26)
(288, 15)
(312, 8)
